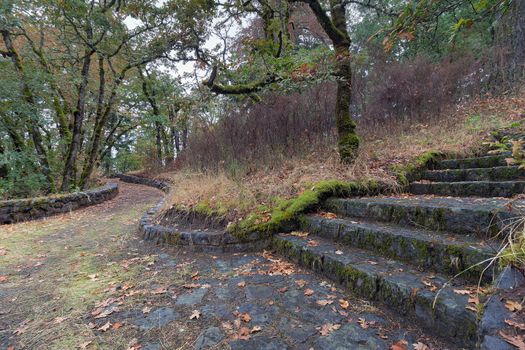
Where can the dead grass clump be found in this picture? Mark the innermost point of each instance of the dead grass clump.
(209, 193)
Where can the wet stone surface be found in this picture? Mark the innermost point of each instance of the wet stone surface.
(256, 301)
(95, 284)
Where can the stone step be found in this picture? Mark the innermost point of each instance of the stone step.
(440, 252)
(500, 173)
(482, 217)
(399, 286)
(475, 162)
(469, 188)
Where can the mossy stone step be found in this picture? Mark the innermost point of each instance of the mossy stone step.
(483, 217)
(469, 188)
(398, 285)
(500, 173)
(440, 252)
(475, 162)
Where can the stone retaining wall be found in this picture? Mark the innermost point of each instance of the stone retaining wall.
(215, 240)
(144, 181)
(17, 210)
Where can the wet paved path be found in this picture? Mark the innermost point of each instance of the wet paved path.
(86, 280)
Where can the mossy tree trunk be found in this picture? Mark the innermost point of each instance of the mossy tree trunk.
(335, 27)
(348, 141)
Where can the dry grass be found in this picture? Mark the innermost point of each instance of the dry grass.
(461, 130)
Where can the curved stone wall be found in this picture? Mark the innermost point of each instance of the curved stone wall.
(17, 210)
(216, 240)
(144, 181)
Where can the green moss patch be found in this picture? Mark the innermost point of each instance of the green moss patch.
(286, 213)
(408, 172)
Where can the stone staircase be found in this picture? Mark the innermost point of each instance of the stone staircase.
(402, 251)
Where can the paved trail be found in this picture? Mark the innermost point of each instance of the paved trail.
(86, 280)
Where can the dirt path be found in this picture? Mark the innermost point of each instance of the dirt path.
(86, 280)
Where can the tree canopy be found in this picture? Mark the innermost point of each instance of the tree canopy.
(110, 85)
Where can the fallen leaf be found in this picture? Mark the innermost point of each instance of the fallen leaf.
(362, 322)
(227, 326)
(328, 328)
(243, 334)
(134, 344)
(512, 305)
(241, 284)
(93, 277)
(117, 325)
(91, 325)
(327, 215)
(256, 329)
(474, 300)
(283, 289)
(195, 315)
(107, 312)
(300, 283)
(105, 327)
(471, 308)
(191, 285)
(3, 279)
(344, 303)
(146, 310)
(520, 326)
(312, 243)
(400, 345)
(517, 341)
(338, 252)
(430, 286)
(462, 291)
(420, 346)
(308, 292)
(3, 252)
(324, 302)
(245, 317)
(299, 234)
(160, 290)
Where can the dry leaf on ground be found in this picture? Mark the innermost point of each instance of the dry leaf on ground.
(328, 328)
(196, 314)
(400, 345)
(513, 306)
(344, 303)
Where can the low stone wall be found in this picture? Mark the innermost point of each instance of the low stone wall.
(213, 241)
(17, 210)
(144, 181)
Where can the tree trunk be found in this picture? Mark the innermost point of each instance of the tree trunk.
(517, 21)
(348, 142)
(168, 149)
(158, 142)
(150, 96)
(184, 137)
(97, 130)
(69, 177)
(509, 65)
(335, 28)
(4, 170)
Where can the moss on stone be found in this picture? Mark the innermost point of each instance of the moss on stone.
(286, 213)
(358, 281)
(412, 170)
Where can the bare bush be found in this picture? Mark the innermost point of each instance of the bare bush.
(389, 97)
